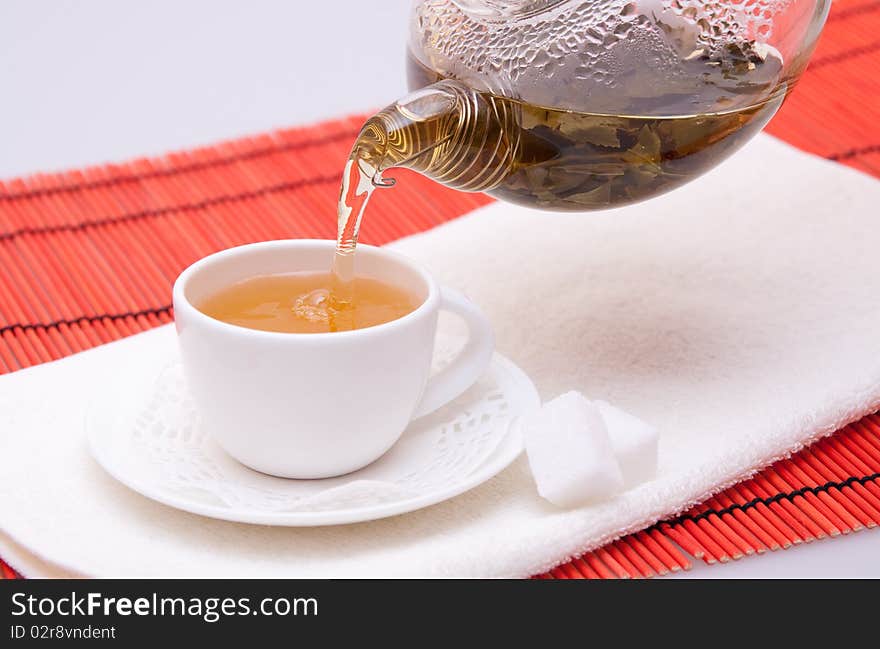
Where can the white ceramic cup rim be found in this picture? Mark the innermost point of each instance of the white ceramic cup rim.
(182, 301)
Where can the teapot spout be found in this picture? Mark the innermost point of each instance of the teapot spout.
(446, 131)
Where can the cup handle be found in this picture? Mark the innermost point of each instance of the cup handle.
(471, 361)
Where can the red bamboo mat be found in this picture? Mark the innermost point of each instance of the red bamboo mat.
(89, 256)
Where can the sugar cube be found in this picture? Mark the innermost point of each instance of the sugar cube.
(570, 452)
(634, 443)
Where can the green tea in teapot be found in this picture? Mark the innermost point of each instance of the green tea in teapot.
(579, 161)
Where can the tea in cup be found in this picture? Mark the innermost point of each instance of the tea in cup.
(308, 303)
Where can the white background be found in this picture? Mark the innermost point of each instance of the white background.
(99, 80)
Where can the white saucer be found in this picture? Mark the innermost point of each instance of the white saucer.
(148, 437)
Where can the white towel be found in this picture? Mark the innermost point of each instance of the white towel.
(740, 315)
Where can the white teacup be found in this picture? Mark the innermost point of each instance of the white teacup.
(315, 405)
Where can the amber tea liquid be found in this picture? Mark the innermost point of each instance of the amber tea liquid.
(301, 303)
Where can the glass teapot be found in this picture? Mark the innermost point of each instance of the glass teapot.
(586, 104)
